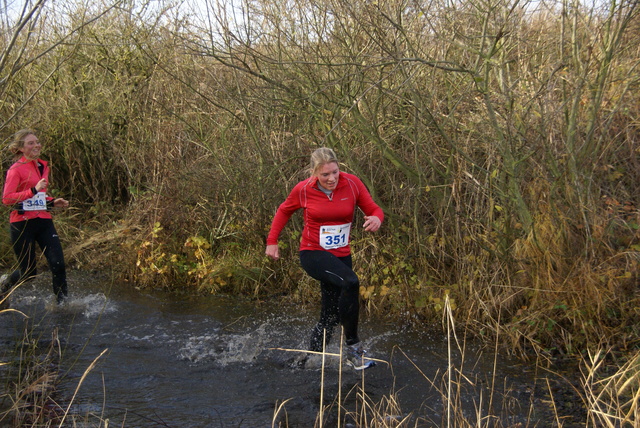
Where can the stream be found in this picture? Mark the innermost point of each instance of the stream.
(172, 361)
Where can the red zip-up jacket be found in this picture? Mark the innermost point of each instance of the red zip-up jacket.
(22, 176)
(322, 210)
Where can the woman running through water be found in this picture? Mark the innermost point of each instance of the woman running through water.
(328, 200)
(25, 190)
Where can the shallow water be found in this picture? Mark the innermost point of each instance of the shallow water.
(219, 362)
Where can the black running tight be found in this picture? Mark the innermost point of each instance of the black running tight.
(24, 236)
(340, 295)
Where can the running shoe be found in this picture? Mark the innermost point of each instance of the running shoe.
(4, 283)
(61, 298)
(355, 357)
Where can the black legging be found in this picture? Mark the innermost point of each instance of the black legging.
(24, 235)
(340, 295)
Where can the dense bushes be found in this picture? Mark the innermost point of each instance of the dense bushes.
(500, 138)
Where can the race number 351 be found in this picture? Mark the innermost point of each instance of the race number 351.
(334, 236)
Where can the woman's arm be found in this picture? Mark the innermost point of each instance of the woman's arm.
(10, 194)
(373, 214)
(280, 220)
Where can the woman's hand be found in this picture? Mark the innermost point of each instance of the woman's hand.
(371, 223)
(60, 203)
(273, 251)
(41, 185)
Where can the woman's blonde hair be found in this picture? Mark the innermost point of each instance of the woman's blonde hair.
(322, 156)
(18, 141)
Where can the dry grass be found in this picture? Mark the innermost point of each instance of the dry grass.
(612, 394)
(452, 384)
(30, 397)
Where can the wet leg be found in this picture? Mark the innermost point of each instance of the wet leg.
(50, 243)
(337, 272)
(329, 317)
(23, 243)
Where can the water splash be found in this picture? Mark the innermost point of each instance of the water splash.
(90, 306)
(227, 348)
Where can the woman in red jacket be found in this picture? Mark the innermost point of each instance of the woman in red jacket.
(30, 220)
(328, 200)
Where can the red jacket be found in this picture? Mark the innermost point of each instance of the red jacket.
(22, 176)
(322, 210)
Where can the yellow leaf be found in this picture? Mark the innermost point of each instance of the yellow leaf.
(366, 292)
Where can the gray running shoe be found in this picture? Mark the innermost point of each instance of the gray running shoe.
(61, 298)
(356, 357)
(4, 283)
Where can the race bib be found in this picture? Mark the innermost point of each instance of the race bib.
(37, 202)
(334, 236)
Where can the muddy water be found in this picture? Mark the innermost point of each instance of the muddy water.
(219, 362)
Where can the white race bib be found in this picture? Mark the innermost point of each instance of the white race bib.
(37, 202)
(334, 236)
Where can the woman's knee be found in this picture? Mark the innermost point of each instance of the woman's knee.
(57, 267)
(351, 282)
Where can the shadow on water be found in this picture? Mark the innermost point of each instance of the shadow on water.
(211, 362)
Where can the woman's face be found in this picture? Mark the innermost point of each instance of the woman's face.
(31, 147)
(328, 175)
